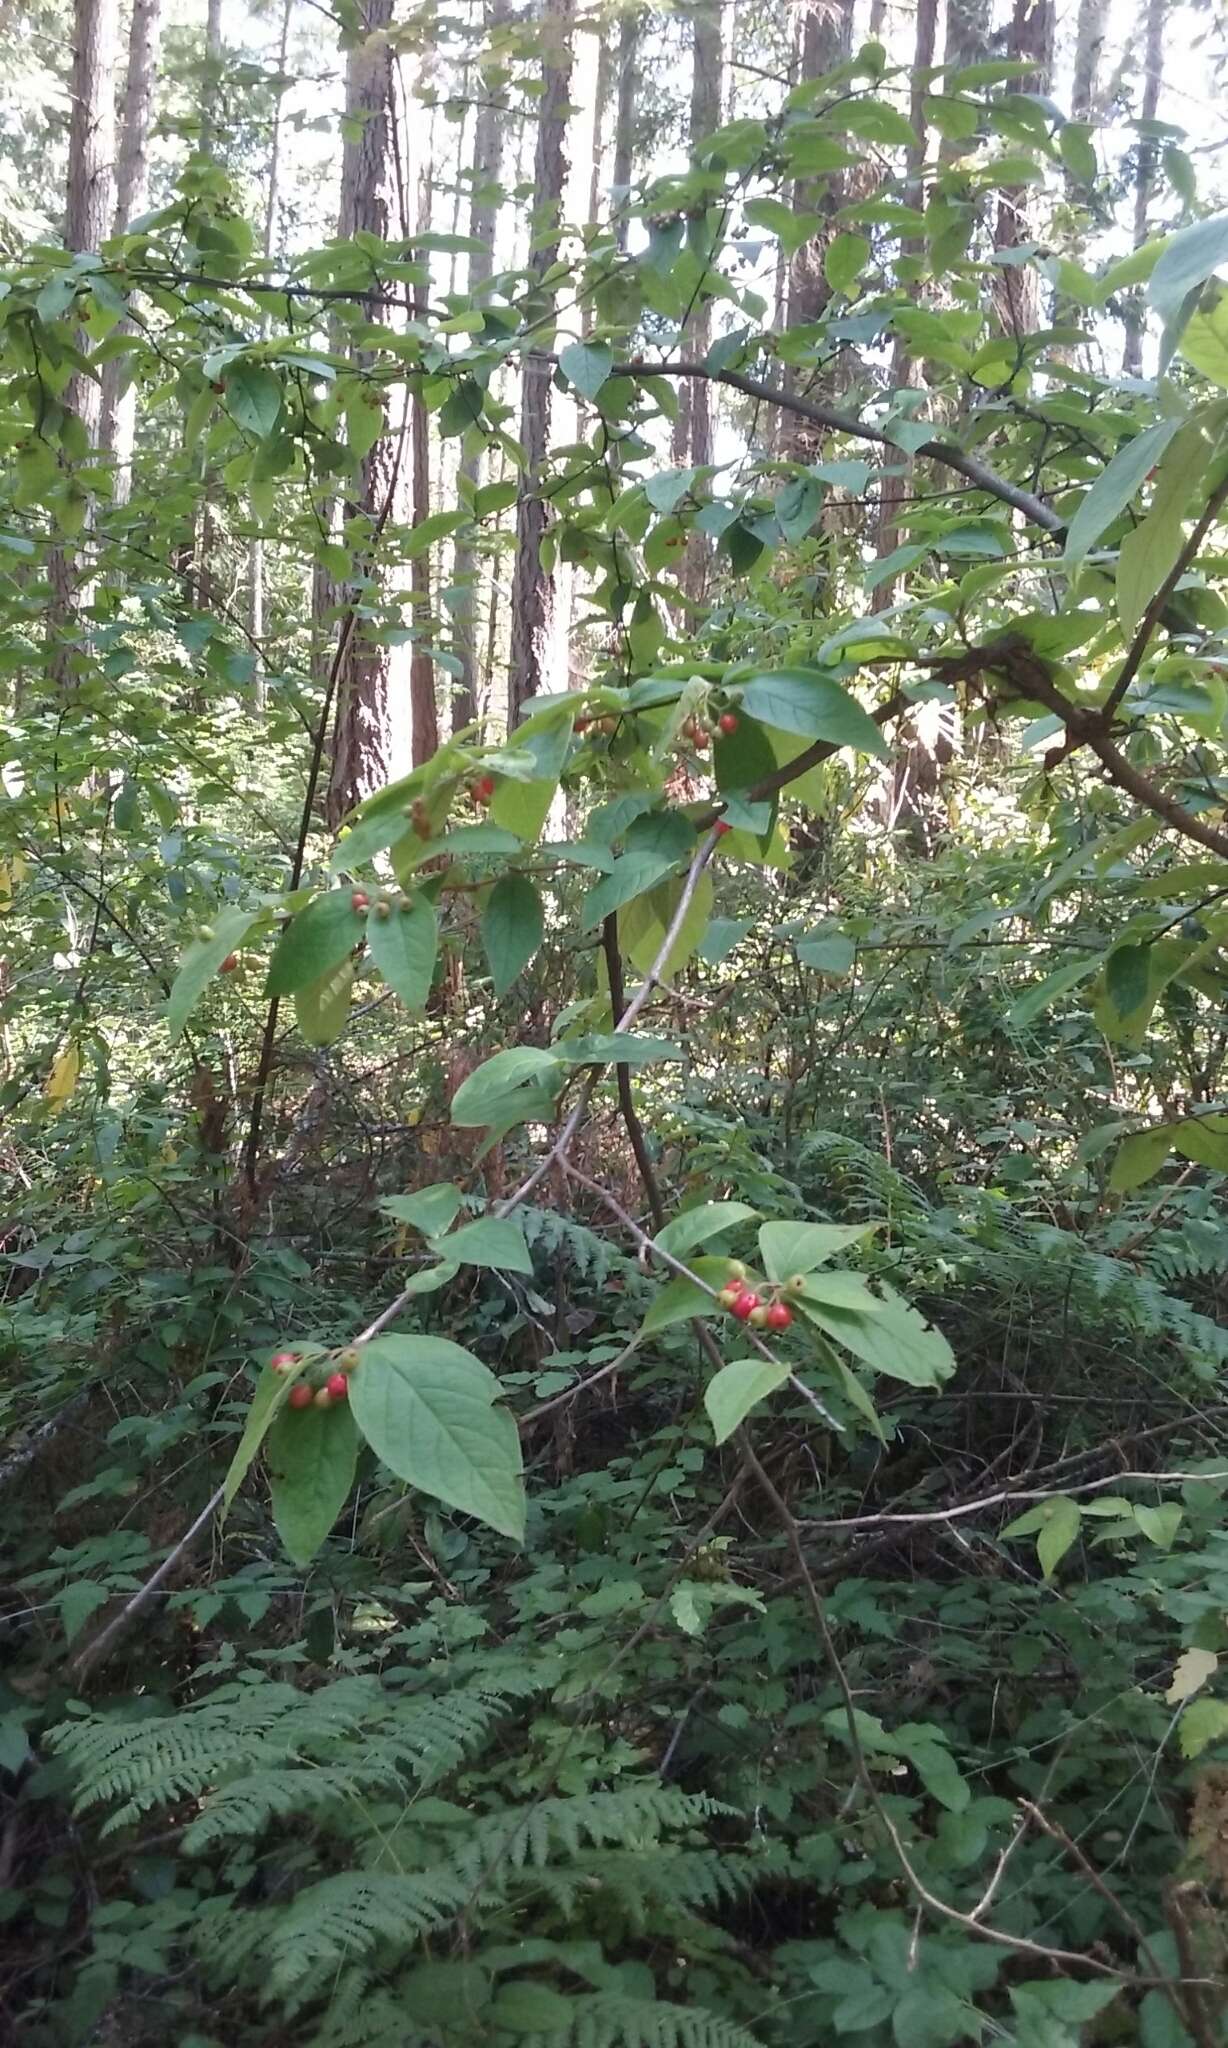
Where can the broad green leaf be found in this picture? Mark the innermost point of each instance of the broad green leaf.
(1202, 1723)
(1127, 975)
(322, 1008)
(788, 1248)
(429, 1210)
(254, 397)
(732, 1392)
(522, 1071)
(696, 1226)
(1030, 1004)
(77, 1602)
(425, 532)
(896, 1340)
(811, 703)
(319, 937)
(426, 1407)
(271, 1389)
(524, 2007)
(1203, 1139)
(311, 1457)
(844, 260)
(938, 1772)
(1204, 343)
(1060, 1527)
(1116, 485)
(490, 1241)
(202, 960)
(842, 1290)
(630, 876)
(792, 226)
(513, 925)
(1147, 554)
(1187, 260)
(403, 947)
(587, 366)
(522, 807)
(1160, 1525)
(642, 925)
(680, 1299)
(1139, 1157)
(617, 1048)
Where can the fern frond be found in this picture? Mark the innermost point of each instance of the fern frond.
(607, 2021)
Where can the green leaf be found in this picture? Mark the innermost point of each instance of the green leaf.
(253, 395)
(425, 532)
(522, 807)
(318, 938)
(76, 1604)
(1060, 1527)
(311, 1458)
(630, 876)
(1203, 1722)
(1160, 1525)
(1116, 485)
(896, 1340)
(201, 962)
(490, 1241)
(732, 1392)
(1204, 343)
(1187, 260)
(696, 1226)
(680, 1298)
(513, 925)
(621, 1048)
(1127, 976)
(1203, 1139)
(523, 2007)
(791, 226)
(426, 1407)
(403, 947)
(322, 1008)
(1030, 1004)
(521, 1076)
(938, 1771)
(271, 1389)
(642, 925)
(429, 1210)
(1149, 551)
(788, 1248)
(586, 365)
(811, 703)
(844, 260)
(1139, 1157)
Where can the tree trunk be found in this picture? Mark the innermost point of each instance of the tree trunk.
(692, 437)
(826, 35)
(423, 713)
(1089, 45)
(211, 77)
(272, 199)
(483, 226)
(968, 29)
(1144, 179)
(90, 202)
(117, 426)
(533, 588)
(1016, 294)
(362, 731)
(624, 123)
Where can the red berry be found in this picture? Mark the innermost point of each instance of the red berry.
(483, 789)
(779, 1316)
(727, 722)
(282, 1361)
(229, 964)
(701, 740)
(338, 1386)
(720, 828)
(359, 900)
(744, 1306)
(301, 1396)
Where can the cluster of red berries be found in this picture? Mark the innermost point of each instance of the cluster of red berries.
(483, 789)
(322, 1386)
(748, 1307)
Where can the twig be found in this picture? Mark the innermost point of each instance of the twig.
(1010, 1494)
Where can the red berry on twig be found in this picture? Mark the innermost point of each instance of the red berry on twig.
(744, 1306)
(337, 1387)
(283, 1361)
(779, 1316)
(727, 722)
(301, 1396)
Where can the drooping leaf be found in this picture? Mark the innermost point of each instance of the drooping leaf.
(896, 1340)
(1116, 485)
(788, 1248)
(811, 703)
(316, 939)
(1187, 260)
(201, 962)
(254, 397)
(698, 1226)
(490, 1241)
(521, 1077)
(427, 1409)
(311, 1457)
(322, 1007)
(587, 366)
(403, 947)
(513, 925)
(737, 1388)
(429, 1210)
(1138, 1158)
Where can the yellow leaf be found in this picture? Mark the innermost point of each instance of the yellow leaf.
(1191, 1672)
(62, 1079)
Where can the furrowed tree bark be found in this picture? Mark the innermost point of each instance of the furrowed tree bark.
(272, 200)
(1089, 45)
(825, 40)
(117, 427)
(1016, 294)
(483, 228)
(1144, 178)
(423, 712)
(533, 588)
(624, 124)
(362, 733)
(89, 206)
